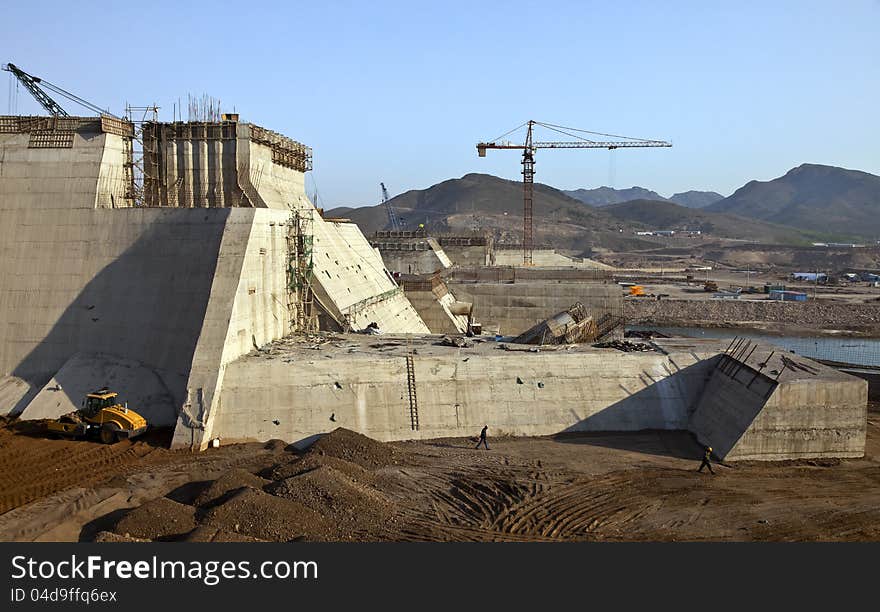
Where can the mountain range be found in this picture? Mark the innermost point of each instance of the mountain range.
(604, 196)
(812, 197)
(809, 202)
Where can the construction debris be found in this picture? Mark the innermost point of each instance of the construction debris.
(567, 327)
(644, 334)
(456, 341)
(626, 346)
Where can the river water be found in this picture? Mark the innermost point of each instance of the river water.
(861, 351)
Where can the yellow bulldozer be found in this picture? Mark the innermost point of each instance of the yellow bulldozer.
(102, 415)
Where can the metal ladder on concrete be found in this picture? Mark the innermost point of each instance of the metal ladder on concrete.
(411, 387)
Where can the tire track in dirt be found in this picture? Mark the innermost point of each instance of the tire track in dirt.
(32, 467)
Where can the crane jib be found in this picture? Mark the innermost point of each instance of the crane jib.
(528, 160)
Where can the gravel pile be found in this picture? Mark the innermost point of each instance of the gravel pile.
(354, 447)
(158, 519)
(232, 480)
(300, 465)
(329, 491)
(267, 517)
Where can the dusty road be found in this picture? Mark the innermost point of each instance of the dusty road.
(634, 486)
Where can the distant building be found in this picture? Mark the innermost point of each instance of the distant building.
(788, 296)
(656, 233)
(812, 277)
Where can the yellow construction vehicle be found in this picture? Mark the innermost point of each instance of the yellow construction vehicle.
(637, 291)
(102, 414)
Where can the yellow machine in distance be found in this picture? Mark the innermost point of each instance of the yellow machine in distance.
(102, 414)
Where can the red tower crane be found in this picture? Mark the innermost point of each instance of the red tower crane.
(530, 146)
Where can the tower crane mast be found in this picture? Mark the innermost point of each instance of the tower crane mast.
(530, 147)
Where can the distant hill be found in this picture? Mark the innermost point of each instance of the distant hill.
(671, 216)
(341, 211)
(696, 199)
(603, 196)
(478, 202)
(812, 197)
(466, 202)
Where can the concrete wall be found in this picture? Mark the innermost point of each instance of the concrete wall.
(137, 284)
(421, 255)
(744, 414)
(354, 283)
(597, 391)
(546, 258)
(85, 175)
(436, 306)
(247, 309)
(220, 164)
(476, 255)
(278, 187)
(516, 307)
(411, 262)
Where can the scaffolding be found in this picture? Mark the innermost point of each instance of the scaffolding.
(139, 174)
(300, 297)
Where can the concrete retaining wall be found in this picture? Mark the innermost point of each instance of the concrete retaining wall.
(744, 414)
(515, 307)
(545, 258)
(518, 394)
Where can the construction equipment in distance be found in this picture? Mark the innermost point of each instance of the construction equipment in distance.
(393, 219)
(530, 146)
(103, 415)
(35, 85)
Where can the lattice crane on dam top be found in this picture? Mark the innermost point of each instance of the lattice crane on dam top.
(393, 219)
(35, 85)
(530, 146)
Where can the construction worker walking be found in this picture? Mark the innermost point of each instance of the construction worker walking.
(483, 438)
(707, 456)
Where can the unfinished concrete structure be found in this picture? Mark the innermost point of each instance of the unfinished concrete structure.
(511, 301)
(228, 254)
(416, 252)
(763, 404)
(190, 300)
(413, 252)
(681, 385)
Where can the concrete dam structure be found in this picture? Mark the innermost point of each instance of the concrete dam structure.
(194, 293)
(399, 389)
(225, 254)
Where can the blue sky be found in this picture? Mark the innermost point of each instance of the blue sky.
(401, 91)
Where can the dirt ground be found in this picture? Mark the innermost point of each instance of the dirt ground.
(612, 486)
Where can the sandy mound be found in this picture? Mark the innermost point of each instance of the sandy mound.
(159, 518)
(326, 489)
(266, 517)
(301, 465)
(210, 533)
(230, 481)
(357, 448)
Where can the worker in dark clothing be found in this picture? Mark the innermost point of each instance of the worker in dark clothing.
(483, 438)
(707, 455)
